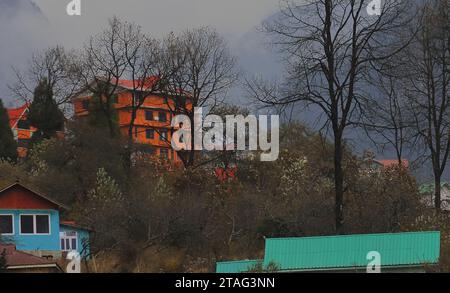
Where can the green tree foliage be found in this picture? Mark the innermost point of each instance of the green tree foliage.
(71, 164)
(44, 113)
(8, 146)
(102, 112)
(143, 212)
(104, 203)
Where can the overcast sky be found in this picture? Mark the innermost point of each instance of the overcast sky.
(25, 28)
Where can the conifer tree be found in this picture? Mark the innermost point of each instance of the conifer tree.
(44, 113)
(8, 146)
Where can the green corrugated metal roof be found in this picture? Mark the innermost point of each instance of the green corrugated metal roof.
(350, 251)
(429, 187)
(239, 266)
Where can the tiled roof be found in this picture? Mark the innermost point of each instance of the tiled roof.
(16, 113)
(391, 163)
(130, 84)
(74, 225)
(16, 258)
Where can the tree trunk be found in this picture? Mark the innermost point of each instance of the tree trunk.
(437, 192)
(338, 183)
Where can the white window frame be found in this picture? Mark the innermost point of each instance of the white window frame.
(34, 224)
(62, 236)
(13, 230)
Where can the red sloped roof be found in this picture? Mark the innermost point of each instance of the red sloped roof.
(74, 225)
(16, 113)
(19, 258)
(132, 84)
(391, 163)
(146, 85)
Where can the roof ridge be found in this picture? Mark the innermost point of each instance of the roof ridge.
(353, 235)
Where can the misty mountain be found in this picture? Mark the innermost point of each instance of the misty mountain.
(23, 29)
(11, 7)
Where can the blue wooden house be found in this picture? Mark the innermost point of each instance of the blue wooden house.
(31, 221)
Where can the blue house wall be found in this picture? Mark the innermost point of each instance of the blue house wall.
(83, 247)
(48, 242)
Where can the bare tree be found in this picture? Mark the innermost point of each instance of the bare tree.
(329, 46)
(51, 65)
(202, 71)
(100, 66)
(387, 120)
(143, 66)
(428, 87)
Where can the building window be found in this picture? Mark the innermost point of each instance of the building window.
(164, 153)
(136, 132)
(23, 124)
(162, 117)
(68, 240)
(34, 224)
(85, 104)
(163, 135)
(149, 133)
(148, 115)
(6, 224)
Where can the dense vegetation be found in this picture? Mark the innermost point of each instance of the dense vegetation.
(147, 218)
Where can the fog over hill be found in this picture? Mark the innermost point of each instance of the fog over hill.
(23, 29)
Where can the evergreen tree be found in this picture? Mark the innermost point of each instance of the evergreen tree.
(8, 146)
(44, 112)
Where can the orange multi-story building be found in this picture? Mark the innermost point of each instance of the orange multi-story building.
(152, 125)
(21, 128)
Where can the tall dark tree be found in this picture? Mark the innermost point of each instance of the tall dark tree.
(329, 47)
(44, 112)
(428, 59)
(8, 146)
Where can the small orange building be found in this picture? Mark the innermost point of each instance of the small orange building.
(21, 128)
(152, 125)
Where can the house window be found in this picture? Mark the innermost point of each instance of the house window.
(42, 224)
(23, 124)
(163, 135)
(149, 133)
(6, 225)
(68, 240)
(34, 224)
(164, 153)
(162, 117)
(149, 115)
(85, 104)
